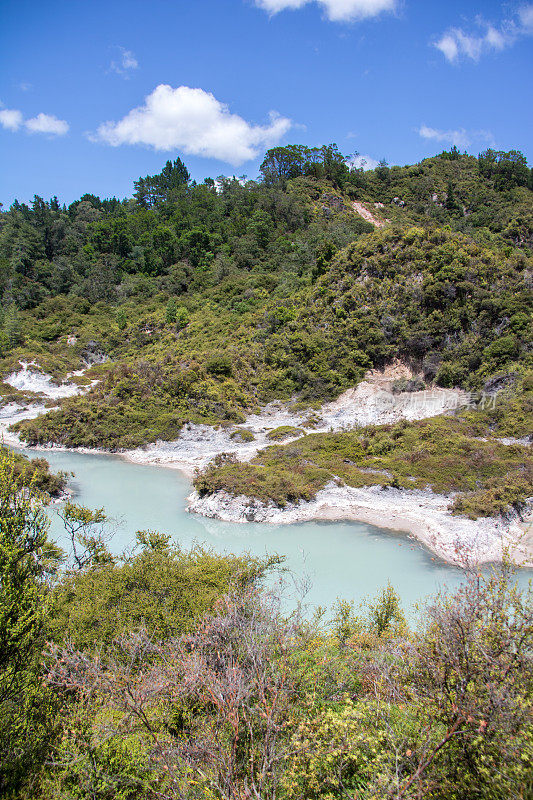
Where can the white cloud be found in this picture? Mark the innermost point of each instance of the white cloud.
(455, 44)
(125, 64)
(195, 122)
(366, 162)
(459, 137)
(47, 123)
(525, 15)
(10, 119)
(336, 10)
(448, 46)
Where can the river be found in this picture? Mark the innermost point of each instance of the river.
(338, 559)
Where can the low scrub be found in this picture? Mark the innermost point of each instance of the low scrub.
(446, 454)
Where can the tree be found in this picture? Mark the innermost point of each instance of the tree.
(507, 170)
(172, 309)
(182, 317)
(382, 171)
(121, 319)
(451, 155)
(282, 163)
(88, 532)
(23, 530)
(324, 253)
(222, 692)
(261, 226)
(11, 326)
(195, 245)
(154, 189)
(24, 728)
(334, 165)
(451, 202)
(385, 613)
(470, 676)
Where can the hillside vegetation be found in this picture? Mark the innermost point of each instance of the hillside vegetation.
(166, 674)
(204, 302)
(175, 675)
(458, 454)
(210, 299)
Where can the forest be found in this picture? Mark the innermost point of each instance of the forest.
(201, 303)
(170, 673)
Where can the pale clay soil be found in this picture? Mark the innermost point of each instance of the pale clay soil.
(367, 215)
(423, 514)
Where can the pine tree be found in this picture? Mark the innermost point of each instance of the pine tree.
(12, 329)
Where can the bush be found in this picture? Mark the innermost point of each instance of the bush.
(242, 435)
(162, 588)
(27, 718)
(219, 365)
(284, 432)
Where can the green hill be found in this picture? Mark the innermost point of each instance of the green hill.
(210, 299)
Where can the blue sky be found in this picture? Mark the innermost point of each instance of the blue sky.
(95, 94)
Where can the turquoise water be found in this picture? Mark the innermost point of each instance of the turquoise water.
(338, 559)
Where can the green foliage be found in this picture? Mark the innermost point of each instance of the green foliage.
(242, 435)
(25, 723)
(467, 674)
(429, 296)
(279, 279)
(441, 712)
(281, 485)
(284, 432)
(283, 163)
(155, 189)
(385, 612)
(219, 364)
(182, 317)
(448, 454)
(139, 403)
(35, 473)
(345, 622)
(11, 327)
(340, 751)
(161, 588)
(86, 529)
(507, 170)
(121, 319)
(210, 300)
(23, 530)
(172, 310)
(172, 673)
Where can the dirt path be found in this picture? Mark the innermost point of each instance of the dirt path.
(367, 215)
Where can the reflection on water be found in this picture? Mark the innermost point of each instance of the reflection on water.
(340, 559)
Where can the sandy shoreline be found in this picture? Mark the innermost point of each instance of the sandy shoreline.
(429, 522)
(421, 514)
(454, 539)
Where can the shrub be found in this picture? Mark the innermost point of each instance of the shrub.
(284, 432)
(242, 435)
(219, 365)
